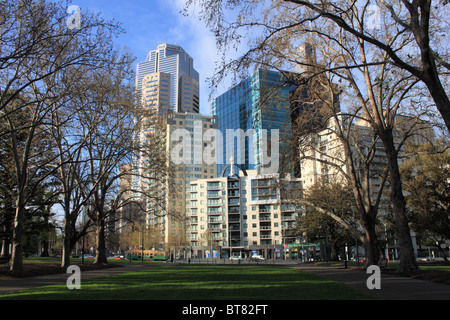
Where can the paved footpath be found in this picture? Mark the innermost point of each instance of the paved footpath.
(14, 284)
(393, 287)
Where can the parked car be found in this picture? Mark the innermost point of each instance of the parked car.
(235, 258)
(428, 259)
(257, 257)
(116, 257)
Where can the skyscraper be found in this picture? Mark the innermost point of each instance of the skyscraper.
(260, 107)
(170, 59)
(168, 86)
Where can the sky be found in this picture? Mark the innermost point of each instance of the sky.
(152, 22)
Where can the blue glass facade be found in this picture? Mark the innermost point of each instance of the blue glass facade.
(259, 102)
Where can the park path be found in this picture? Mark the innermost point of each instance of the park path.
(393, 287)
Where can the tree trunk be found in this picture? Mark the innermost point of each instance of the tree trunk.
(367, 214)
(44, 252)
(334, 254)
(4, 252)
(442, 250)
(7, 231)
(430, 73)
(67, 236)
(44, 238)
(16, 261)
(440, 98)
(370, 240)
(407, 257)
(101, 243)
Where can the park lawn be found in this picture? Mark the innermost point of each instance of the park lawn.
(201, 282)
(441, 268)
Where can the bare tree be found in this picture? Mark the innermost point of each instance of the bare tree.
(365, 61)
(411, 34)
(107, 123)
(37, 46)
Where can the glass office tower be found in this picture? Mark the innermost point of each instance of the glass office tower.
(260, 107)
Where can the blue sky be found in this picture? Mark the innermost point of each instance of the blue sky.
(149, 23)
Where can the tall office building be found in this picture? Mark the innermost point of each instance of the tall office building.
(168, 89)
(257, 106)
(183, 94)
(166, 82)
(155, 93)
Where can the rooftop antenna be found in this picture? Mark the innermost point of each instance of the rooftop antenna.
(231, 166)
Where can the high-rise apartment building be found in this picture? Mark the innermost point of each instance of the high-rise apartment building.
(252, 116)
(165, 201)
(183, 94)
(241, 214)
(323, 151)
(184, 134)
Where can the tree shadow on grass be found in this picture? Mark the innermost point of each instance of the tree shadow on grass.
(202, 283)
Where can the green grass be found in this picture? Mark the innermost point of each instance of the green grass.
(201, 282)
(442, 268)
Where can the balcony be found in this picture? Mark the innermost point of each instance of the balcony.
(215, 194)
(233, 193)
(236, 242)
(287, 207)
(233, 185)
(264, 183)
(193, 204)
(287, 225)
(213, 186)
(288, 217)
(214, 203)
